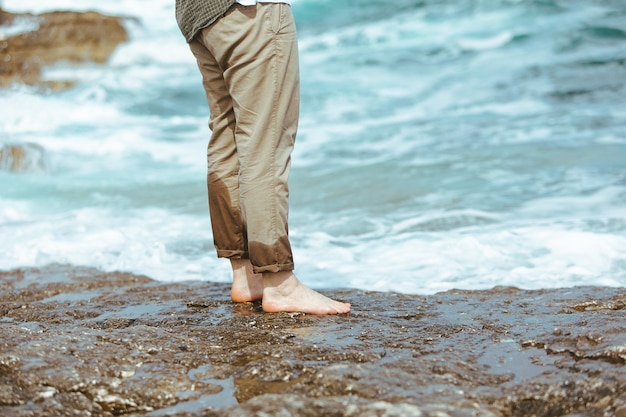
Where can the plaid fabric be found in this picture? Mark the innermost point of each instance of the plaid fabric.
(194, 15)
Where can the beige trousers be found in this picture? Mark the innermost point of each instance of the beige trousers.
(249, 64)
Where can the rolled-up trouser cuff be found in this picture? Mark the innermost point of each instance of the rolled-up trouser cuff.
(232, 254)
(273, 268)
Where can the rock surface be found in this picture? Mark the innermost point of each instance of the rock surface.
(76, 341)
(54, 37)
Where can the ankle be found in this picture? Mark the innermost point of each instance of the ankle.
(238, 264)
(284, 281)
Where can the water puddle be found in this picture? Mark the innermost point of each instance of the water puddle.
(224, 398)
(135, 311)
(204, 374)
(72, 297)
(507, 357)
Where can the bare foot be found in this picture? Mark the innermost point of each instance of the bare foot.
(282, 291)
(247, 286)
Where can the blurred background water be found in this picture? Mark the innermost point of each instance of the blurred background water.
(443, 144)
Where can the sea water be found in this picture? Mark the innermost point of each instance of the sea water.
(442, 144)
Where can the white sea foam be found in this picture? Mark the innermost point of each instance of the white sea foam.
(155, 12)
(25, 113)
(143, 241)
(18, 26)
(491, 42)
(527, 257)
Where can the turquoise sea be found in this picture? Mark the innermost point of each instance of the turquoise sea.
(443, 144)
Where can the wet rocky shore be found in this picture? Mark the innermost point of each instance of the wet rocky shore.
(77, 341)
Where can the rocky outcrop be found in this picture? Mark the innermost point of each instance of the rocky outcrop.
(54, 37)
(76, 341)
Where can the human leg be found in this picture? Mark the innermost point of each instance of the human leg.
(222, 179)
(223, 163)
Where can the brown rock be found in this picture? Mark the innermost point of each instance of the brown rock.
(60, 36)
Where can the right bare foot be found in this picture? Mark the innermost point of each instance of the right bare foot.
(283, 292)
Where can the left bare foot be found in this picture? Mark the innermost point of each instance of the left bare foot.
(247, 286)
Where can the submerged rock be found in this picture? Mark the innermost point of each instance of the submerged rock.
(26, 157)
(28, 42)
(77, 341)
